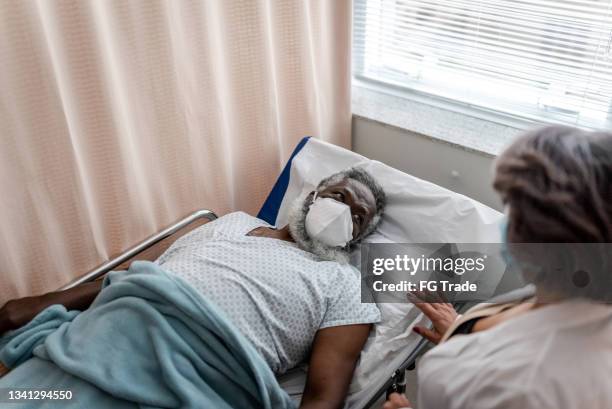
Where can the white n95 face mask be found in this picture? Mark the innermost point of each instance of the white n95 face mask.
(329, 221)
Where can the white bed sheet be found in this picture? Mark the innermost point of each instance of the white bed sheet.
(417, 212)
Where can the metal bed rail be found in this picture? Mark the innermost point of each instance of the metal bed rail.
(140, 247)
(397, 380)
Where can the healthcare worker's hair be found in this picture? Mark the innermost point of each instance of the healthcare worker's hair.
(368, 180)
(557, 182)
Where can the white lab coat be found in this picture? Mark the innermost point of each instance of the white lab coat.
(558, 356)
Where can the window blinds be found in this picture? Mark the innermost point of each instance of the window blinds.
(543, 60)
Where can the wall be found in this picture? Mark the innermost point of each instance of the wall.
(453, 167)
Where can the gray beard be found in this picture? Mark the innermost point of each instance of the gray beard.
(297, 228)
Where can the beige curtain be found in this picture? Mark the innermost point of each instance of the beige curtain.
(119, 117)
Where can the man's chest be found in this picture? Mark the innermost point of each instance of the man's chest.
(259, 265)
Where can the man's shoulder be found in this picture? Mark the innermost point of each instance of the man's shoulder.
(235, 216)
(238, 217)
(346, 269)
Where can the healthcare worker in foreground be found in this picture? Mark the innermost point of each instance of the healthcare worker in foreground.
(551, 347)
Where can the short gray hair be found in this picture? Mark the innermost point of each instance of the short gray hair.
(362, 176)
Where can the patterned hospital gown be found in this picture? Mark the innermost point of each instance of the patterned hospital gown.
(275, 293)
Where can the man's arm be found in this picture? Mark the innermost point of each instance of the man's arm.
(334, 354)
(18, 312)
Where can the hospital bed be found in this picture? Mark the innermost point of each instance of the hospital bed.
(417, 212)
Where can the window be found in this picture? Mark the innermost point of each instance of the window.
(541, 60)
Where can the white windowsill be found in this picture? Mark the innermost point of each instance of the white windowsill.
(463, 127)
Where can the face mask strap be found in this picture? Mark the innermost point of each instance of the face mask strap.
(314, 197)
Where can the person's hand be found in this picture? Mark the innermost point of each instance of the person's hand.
(440, 313)
(18, 312)
(397, 401)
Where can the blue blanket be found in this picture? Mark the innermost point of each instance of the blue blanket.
(148, 340)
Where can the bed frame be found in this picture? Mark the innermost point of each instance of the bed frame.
(152, 247)
(149, 249)
(397, 379)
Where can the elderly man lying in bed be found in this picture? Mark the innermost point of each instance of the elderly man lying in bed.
(290, 292)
